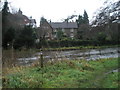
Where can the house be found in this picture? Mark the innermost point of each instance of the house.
(44, 31)
(69, 29)
(49, 30)
(32, 22)
(18, 20)
(24, 20)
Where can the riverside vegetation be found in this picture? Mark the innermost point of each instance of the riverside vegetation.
(64, 74)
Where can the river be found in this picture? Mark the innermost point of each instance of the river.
(89, 54)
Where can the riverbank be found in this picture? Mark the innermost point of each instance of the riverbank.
(10, 57)
(64, 74)
(79, 48)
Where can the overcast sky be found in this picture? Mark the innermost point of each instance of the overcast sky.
(56, 10)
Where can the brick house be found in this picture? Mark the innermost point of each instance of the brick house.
(69, 29)
(45, 30)
(49, 30)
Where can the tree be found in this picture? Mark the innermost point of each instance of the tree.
(83, 26)
(9, 37)
(4, 23)
(85, 18)
(79, 20)
(26, 38)
(60, 34)
(109, 12)
(101, 37)
(70, 18)
(108, 17)
(5, 13)
(82, 19)
(5, 10)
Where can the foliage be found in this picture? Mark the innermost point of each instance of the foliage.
(64, 74)
(85, 18)
(4, 23)
(69, 18)
(83, 26)
(101, 37)
(5, 11)
(59, 34)
(68, 42)
(107, 13)
(107, 19)
(79, 20)
(12, 35)
(78, 48)
(82, 19)
(9, 36)
(26, 38)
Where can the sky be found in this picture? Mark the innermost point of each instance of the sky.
(55, 10)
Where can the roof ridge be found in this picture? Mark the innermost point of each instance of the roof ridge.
(63, 25)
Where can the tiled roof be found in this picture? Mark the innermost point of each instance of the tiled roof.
(63, 25)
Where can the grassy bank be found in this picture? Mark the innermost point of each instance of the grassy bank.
(80, 48)
(64, 74)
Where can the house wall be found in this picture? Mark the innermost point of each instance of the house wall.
(51, 33)
(67, 32)
(45, 30)
(70, 32)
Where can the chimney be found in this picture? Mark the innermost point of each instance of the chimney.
(50, 20)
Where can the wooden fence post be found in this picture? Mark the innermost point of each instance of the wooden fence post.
(41, 59)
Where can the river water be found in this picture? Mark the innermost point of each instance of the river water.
(89, 54)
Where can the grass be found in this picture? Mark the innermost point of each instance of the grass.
(64, 74)
(80, 47)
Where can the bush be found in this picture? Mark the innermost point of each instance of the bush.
(67, 43)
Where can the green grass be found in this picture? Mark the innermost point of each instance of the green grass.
(64, 74)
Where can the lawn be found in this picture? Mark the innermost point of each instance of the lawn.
(64, 74)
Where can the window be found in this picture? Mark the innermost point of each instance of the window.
(63, 30)
(72, 35)
(65, 34)
(55, 36)
(71, 30)
(55, 30)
